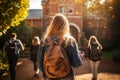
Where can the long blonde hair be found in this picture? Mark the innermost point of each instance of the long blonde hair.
(95, 39)
(35, 40)
(59, 27)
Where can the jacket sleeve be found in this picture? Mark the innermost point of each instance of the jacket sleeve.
(74, 58)
(20, 45)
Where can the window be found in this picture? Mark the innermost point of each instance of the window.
(70, 7)
(62, 7)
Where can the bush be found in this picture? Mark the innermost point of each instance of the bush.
(116, 56)
(107, 46)
(23, 33)
(3, 63)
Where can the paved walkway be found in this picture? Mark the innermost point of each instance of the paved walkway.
(108, 70)
(25, 70)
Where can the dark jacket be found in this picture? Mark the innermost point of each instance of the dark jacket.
(72, 52)
(91, 56)
(18, 44)
(34, 52)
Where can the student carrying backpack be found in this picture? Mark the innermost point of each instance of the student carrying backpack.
(94, 54)
(12, 48)
(58, 51)
(56, 62)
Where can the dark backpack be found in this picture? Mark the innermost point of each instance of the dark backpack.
(95, 53)
(56, 63)
(12, 47)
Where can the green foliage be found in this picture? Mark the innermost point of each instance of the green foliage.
(97, 8)
(24, 32)
(111, 54)
(3, 62)
(113, 22)
(107, 55)
(11, 13)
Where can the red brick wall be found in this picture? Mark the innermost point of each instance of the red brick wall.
(34, 22)
(77, 21)
(75, 17)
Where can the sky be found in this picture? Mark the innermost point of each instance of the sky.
(35, 4)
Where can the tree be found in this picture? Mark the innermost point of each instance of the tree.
(113, 22)
(109, 9)
(97, 8)
(12, 12)
(23, 31)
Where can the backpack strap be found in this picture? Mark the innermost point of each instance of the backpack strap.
(52, 40)
(12, 41)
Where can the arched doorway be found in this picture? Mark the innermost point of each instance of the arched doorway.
(75, 31)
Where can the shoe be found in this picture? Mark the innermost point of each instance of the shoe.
(36, 76)
(94, 78)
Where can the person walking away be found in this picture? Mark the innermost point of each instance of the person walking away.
(95, 55)
(13, 47)
(59, 51)
(34, 52)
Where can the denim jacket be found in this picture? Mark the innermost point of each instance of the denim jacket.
(72, 52)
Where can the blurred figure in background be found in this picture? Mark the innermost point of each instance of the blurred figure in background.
(13, 47)
(34, 53)
(95, 55)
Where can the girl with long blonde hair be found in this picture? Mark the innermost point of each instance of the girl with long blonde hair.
(59, 30)
(94, 39)
(93, 43)
(58, 27)
(34, 53)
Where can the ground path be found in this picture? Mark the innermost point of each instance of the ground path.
(108, 70)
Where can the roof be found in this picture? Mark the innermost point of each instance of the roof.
(34, 14)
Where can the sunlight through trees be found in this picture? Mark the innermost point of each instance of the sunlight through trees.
(12, 12)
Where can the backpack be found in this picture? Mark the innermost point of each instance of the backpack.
(56, 62)
(95, 53)
(12, 49)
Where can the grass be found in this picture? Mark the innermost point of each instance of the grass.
(107, 55)
(110, 54)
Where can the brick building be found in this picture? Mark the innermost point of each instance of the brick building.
(34, 17)
(72, 10)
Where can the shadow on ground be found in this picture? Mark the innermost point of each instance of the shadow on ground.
(108, 66)
(108, 70)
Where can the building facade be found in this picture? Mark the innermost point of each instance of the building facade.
(70, 8)
(34, 17)
(73, 10)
